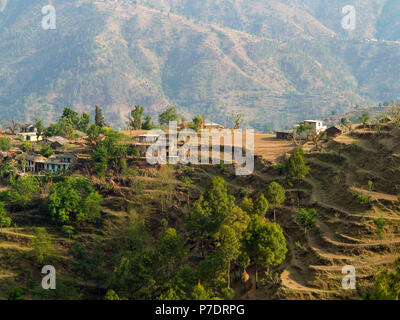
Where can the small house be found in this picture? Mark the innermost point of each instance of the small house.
(212, 125)
(60, 162)
(316, 125)
(28, 132)
(34, 163)
(37, 163)
(55, 142)
(28, 128)
(284, 134)
(144, 141)
(334, 131)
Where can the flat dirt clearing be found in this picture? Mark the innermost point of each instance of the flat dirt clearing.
(265, 145)
(270, 148)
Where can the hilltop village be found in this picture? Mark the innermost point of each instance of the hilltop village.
(38, 152)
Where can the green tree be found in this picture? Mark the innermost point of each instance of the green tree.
(16, 294)
(168, 115)
(148, 124)
(93, 136)
(237, 120)
(247, 205)
(210, 211)
(90, 208)
(387, 284)
(380, 224)
(172, 252)
(98, 117)
(68, 230)
(296, 167)
(100, 159)
(13, 126)
(39, 127)
(71, 115)
(300, 129)
(275, 195)
(89, 261)
(133, 277)
(5, 221)
(135, 118)
(364, 118)
(212, 270)
(363, 199)
(261, 205)
(74, 200)
(111, 295)
(4, 144)
(200, 293)
(26, 146)
(67, 289)
(109, 151)
(307, 218)
(9, 169)
(182, 286)
(264, 243)
(46, 151)
(22, 191)
(197, 123)
(229, 247)
(84, 121)
(42, 248)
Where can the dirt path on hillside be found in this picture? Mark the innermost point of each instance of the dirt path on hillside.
(376, 195)
(351, 214)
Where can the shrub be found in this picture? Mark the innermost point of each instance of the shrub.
(46, 151)
(362, 199)
(26, 146)
(43, 251)
(279, 167)
(380, 224)
(307, 218)
(5, 221)
(4, 144)
(16, 294)
(22, 191)
(74, 200)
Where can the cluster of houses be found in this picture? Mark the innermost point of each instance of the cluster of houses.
(36, 163)
(143, 141)
(315, 126)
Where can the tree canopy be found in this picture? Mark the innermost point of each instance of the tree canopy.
(74, 200)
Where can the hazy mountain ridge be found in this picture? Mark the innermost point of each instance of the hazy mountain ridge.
(277, 62)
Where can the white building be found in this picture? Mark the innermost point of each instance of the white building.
(29, 133)
(209, 125)
(37, 163)
(316, 126)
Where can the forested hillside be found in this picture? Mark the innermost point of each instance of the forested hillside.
(276, 62)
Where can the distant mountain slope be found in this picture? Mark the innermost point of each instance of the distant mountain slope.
(276, 61)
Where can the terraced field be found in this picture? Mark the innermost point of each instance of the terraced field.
(345, 233)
